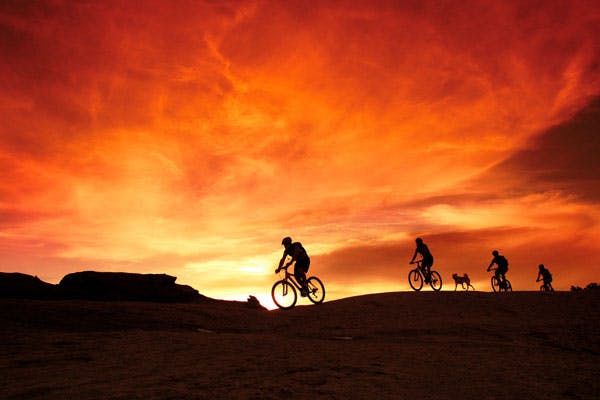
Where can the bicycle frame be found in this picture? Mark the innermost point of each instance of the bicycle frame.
(503, 276)
(314, 290)
(420, 268)
(429, 276)
(502, 281)
(545, 286)
(292, 279)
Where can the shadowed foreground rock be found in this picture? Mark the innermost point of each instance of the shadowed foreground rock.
(387, 346)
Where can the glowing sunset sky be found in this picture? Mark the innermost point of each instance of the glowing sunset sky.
(189, 137)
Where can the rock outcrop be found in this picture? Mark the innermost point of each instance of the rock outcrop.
(17, 285)
(105, 286)
(93, 285)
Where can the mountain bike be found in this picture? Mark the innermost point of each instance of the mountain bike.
(285, 291)
(499, 286)
(546, 287)
(417, 276)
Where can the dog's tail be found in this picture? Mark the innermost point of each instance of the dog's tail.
(466, 276)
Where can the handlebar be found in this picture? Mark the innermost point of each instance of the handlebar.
(279, 269)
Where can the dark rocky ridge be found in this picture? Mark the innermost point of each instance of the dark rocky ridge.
(105, 286)
(22, 286)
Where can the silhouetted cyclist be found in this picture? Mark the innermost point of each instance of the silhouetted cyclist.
(502, 268)
(300, 257)
(545, 275)
(423, 250)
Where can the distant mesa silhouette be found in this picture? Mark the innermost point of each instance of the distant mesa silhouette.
(106, 286)
(127, 287)
(17, 285)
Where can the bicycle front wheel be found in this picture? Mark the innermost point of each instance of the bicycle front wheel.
(316, 290)
(284, 294)
(435, 280)
(415, 279)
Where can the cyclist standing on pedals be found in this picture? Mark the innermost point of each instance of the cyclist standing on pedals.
(300, 257)
(423, 250)
(545, 275)
(502, 268)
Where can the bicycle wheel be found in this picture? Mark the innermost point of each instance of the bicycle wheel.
(415, 279)
(284, 294)
(316, 290)
(435, 280)
(495, 284)
(508, 287)
(547, 288)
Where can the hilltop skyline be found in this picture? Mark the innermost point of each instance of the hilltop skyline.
(190, 137)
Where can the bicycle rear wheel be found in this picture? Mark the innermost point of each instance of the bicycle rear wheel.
(284, 294)
(435, 280)
(508, 286)
(415, 279)
(316, 290)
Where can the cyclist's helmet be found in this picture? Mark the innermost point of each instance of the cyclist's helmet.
(419, 240)
(286, 241)
(541, 266)
(495, 253)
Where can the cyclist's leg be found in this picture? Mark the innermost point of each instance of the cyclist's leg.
(427, 269)
(300, 275)
(498, 276)
(504, 284)
(305, 264)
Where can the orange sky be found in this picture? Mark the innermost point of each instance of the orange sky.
(189, 137)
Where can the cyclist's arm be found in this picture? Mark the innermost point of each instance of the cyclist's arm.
(281, 261)
(490, 266)
(412, 260)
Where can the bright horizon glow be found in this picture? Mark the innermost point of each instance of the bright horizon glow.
(189, 138)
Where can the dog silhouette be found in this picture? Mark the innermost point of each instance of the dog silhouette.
(462, 280)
